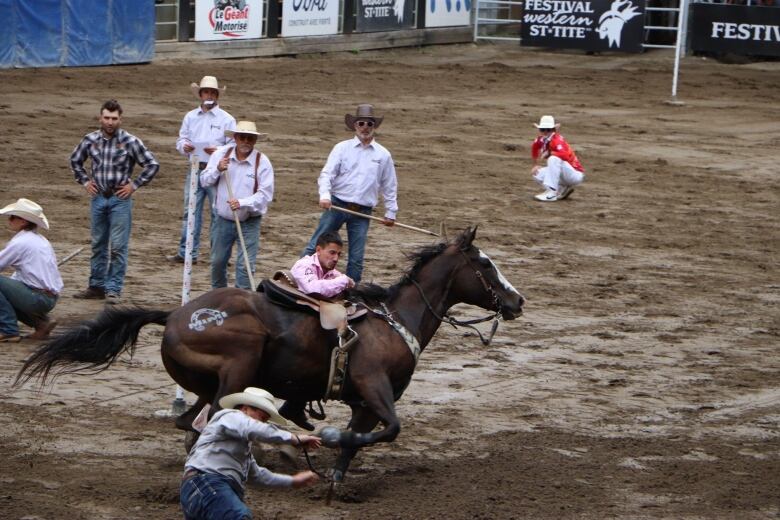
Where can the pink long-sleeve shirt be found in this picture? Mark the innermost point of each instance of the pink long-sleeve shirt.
(311, 278)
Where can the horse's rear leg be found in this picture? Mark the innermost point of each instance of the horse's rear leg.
(184, 421)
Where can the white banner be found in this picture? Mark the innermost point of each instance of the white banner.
(228, 19)
(446, 13)
(310, 17)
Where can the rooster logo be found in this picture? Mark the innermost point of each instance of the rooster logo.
(398, 9)
(611, 22)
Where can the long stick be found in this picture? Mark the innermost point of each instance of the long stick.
(240, 235)
(358, 214)
(74, 253)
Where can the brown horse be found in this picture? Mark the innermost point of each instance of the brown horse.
(228, 339)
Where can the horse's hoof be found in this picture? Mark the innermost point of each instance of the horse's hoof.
(331, 436)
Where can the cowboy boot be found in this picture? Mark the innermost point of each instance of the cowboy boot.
(293, 410)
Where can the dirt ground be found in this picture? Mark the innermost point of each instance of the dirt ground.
(642, 380)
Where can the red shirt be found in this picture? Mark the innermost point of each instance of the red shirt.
(556, 145)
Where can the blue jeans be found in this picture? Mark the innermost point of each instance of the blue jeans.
(201, 194)
(223, 236)
(20, 303)
(210, 496)
(112, 219)
(357, 234)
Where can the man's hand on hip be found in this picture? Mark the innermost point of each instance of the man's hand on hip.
(126, 191)
(91, 188)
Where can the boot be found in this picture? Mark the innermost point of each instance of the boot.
(293, 411)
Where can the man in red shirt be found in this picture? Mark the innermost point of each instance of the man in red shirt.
(563, 171)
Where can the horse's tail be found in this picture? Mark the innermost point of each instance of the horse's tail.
(90, 346)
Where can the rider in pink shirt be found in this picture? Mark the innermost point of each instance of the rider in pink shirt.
(317, 273)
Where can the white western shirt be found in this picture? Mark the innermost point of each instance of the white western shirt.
(33, 258)
(199, 126)
(357, 173)
(254, 202)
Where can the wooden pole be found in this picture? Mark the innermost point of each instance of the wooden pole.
(358, 214)
(240, 235)
(74, 253)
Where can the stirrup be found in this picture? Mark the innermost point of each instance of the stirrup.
(347, 338)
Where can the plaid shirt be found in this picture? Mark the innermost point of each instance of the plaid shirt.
(113, 160)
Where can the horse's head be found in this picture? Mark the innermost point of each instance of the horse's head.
(478, 281)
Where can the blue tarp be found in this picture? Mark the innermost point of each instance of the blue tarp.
(73, 33)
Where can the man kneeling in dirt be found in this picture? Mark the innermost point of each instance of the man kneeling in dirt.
(221, 461)
(316, 274)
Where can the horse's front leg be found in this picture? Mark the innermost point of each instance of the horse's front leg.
(363, 421)
(377, 393)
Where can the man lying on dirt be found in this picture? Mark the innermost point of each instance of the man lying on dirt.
(317, 274)
(221, 462)
(563, 170)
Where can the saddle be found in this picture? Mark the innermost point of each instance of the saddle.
(334, 314)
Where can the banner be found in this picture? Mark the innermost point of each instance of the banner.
(228, 19)
(446, 13)
(385, 15)
(310, 17)
(76, 33)
(738, 29)
(591, 25)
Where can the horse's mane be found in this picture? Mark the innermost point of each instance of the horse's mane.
(372, 294)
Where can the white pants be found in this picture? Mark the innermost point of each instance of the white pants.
(558, 173)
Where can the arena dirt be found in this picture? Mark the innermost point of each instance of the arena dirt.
(642, 381)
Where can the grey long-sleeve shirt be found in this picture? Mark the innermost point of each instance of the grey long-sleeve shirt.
(224, 447)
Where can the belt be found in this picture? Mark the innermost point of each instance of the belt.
(202, 165)
(46, 292)
(353, 206)
(107, 193)
(190, 473)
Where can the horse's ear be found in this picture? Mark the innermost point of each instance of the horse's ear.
(468, 237)
(443, 231)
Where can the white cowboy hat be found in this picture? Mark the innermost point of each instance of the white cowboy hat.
(546, 123)
(364, 111)
(256, 397)
(246, 127)
(28, 210)
(207, 82)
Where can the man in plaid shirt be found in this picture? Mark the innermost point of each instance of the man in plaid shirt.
(113, 153)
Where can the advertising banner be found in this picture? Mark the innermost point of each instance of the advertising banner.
(592, 25)
(447, 13)
(384, 15)
(734, 28)
(228, 19)
(310, 17)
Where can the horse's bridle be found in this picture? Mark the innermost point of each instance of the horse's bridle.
(468, 323)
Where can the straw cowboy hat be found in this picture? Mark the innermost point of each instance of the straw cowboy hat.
(365, 111)
(28, 210)
(256, 397)
(246, 127)
(547, 123)
(207, 82)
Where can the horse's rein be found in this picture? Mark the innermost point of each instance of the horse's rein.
(469, 323)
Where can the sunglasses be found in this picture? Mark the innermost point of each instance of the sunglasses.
(369, 124)
(546, 129)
